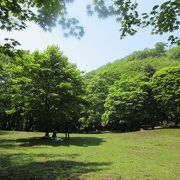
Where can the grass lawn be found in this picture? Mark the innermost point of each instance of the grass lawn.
(137, 155)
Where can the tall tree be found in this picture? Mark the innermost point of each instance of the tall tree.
(45, 91)
(124, 106)
(166, 89)
(96, 91)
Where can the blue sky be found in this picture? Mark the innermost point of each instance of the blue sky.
(101, 43)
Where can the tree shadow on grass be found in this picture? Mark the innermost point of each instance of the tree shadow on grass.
(7, 143)
(2, 132)
(59, 169)
(76, 141)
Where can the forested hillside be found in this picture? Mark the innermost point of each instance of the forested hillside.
(42, 91)
(142, 89)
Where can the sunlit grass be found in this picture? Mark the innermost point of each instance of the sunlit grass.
(137, 155)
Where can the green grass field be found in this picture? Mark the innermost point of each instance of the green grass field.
(136, 155)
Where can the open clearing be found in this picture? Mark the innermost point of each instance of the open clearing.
(136, 155)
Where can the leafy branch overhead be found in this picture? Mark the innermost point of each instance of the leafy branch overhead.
(14, 15)
(163, 18)
(10, 47)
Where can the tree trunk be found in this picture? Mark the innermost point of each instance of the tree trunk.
(152, 123)
(67, 130)
(68, 135)
(176, 122)
(47, 134)
(54, 134)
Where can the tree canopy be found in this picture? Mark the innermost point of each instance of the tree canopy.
(122, 95)
(40, 91)
(166, 89)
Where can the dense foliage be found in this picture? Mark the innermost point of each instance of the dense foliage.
(123, 95)
(42, 91)
(166, 90)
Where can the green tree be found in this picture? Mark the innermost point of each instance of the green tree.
(158, 51)
(174, 53)
(166, 89)
(45, 91)
(124, 106)
(150, 105)
(96, 91)
(160, 48)
(4, 100)
(99, 83)
(58, 87)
